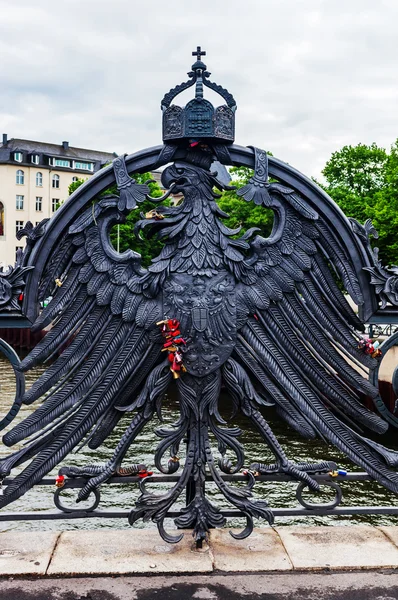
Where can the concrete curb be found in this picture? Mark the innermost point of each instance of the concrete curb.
(141, 551)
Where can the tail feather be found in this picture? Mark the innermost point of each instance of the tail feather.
(309, 404)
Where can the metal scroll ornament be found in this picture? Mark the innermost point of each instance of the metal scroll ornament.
(13, 279)
(385, 281)
(262, 316)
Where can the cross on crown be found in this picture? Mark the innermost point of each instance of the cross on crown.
(199, 52)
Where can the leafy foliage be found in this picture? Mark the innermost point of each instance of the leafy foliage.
(363, 181)
(244, 214)
(74, 185)
(384, 212)
(122, 236)
(359, 169)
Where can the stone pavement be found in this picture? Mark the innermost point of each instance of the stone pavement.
(273, 563)
(140, 551)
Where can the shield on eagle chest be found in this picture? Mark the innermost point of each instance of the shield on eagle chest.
(199, 318)
(206, 309)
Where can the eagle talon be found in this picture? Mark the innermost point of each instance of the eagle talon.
(95, 482)
(299, 471)
(99, 474)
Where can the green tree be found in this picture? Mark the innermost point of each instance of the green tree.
(384, 212)
(75, 184)
(242, 213)
(363, 181)
(359, 169)
(355, 175)
(122, 236)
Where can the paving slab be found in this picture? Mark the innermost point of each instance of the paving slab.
(262, 551)
(117, 552)
(26, 552)
(391, 532)
(355, 547)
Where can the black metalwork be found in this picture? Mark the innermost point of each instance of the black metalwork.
(265, 317)
(13, 278)
(199, 120)
(375, 330)
(304, 508)
(387, 344)
(14, 361)
(12, 283)
(385, 280)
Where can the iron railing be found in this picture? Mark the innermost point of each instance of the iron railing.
(306, 508)
(376, 330)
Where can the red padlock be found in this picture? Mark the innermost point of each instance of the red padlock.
(144, 473)
(60, 481)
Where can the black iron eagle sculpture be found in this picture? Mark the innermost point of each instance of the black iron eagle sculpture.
(264, 317)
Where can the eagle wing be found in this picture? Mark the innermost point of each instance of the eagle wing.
(299, 337)
(98, 351)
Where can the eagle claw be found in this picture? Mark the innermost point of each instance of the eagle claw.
(98, 474)
(299, 471)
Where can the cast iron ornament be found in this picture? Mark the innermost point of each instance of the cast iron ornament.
(13, 279)
(385, 280)
(262, 316)
(198, 120)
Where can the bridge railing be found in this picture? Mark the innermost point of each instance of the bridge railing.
(306, 506)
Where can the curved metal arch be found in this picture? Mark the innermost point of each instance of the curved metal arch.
(13, 359)
(151, 158)
(385, 347)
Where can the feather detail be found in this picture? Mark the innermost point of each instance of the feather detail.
(131, 194)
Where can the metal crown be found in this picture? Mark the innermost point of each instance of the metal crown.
(199, 120)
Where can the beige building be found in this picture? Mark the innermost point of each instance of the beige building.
(34, 181)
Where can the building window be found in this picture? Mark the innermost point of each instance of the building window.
(39, 203)
(18, 226)
(74, 179)
(18, 156)
(19, 203)
(35, 159)
(1, 218)
(54, 204)
(61, 162)
(20, 177)
(55, 182)
(39, 179)
(84, 165)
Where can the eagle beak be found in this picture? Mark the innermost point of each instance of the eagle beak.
(168, 177)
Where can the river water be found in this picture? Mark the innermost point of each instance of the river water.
(122, 497)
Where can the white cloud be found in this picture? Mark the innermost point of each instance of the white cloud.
(309, 75)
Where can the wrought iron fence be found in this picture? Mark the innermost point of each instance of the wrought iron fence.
(375, 330)
(306, 507)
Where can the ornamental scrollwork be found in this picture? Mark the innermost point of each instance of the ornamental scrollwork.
(384, 280)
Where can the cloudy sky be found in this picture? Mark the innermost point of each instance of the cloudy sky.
(309, 76)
